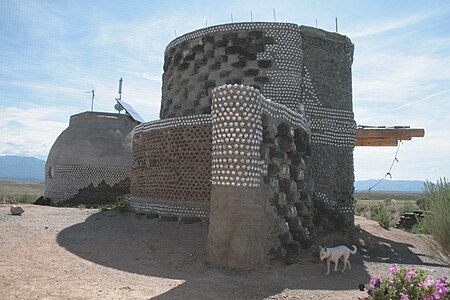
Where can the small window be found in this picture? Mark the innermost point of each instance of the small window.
(51, 171)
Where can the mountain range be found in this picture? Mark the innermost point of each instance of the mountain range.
(21, 169)
(389, 185)
(30, 169)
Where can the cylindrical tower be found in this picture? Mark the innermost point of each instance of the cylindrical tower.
(306, 69)
(272, 105)
(266, 56)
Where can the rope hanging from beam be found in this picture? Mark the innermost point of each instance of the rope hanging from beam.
(390, 169)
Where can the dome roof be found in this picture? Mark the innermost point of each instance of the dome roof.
(94, 139)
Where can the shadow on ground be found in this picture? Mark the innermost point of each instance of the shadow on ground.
(150, 247)
(377, 249)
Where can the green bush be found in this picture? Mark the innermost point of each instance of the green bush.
(408, 207)
(417, 229)
(422, 203)
(381, 214)
(387, 201)
(359, 208)
(437, 222)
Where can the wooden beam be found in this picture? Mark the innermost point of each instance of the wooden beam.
(378, 143)
(387, 132)
(390, 138)
(386, 136)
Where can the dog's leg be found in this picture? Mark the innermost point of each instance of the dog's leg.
(345, 264)
(336, 263)
(328, 267)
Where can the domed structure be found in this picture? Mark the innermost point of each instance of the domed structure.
(90, 161)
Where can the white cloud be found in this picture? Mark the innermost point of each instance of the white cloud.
(421, 100)
(38, 130)
(383, 25)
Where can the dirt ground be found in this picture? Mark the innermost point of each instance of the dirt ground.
(71, 253)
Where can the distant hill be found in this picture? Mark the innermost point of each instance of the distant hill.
(30, 169)
(21, 169)
(390, 185)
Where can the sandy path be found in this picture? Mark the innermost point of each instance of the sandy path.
(71, 253)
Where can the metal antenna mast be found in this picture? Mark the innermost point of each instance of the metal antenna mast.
(120, 88)
(92, 101)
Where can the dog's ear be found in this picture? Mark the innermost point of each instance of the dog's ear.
(320, 247)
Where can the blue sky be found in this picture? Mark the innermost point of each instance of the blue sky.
(51, 52)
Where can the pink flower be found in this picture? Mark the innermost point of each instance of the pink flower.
(428, 297)
(403, 297)
(427, 282)
(410, 275)
(411, 267)
(443, 279)
(441, 291)
(393, 269)
(375, 281)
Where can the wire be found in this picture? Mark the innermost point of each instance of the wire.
(390, 169)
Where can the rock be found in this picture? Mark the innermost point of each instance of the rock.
(16, 210)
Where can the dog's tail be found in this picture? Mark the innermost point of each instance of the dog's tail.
(354, 249)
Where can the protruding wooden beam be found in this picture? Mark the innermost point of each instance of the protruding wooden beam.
(376, 143)
(389, 132)
(382, 136)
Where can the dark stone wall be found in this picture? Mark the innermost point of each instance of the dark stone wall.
(285, 151)
(101, 194)
(328, 58)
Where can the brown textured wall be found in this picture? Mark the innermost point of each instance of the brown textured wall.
(172, 165)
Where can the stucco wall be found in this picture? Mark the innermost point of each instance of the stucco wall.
(90, 161)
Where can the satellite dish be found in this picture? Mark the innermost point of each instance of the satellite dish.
(118, 107)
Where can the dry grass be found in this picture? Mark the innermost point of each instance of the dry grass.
(25, 192)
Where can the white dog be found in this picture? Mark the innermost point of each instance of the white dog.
(334, 254)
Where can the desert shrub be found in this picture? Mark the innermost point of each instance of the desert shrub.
(417, 229)
(381, 214)
(387, 201)
(437, 222)
(408, 207)
(359, 208)
(422, 203)
(405, 284)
